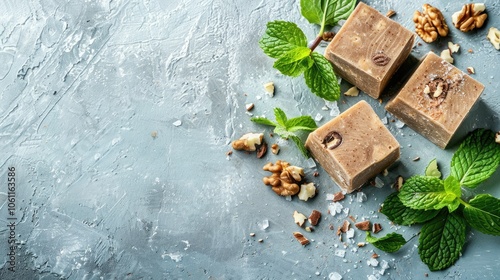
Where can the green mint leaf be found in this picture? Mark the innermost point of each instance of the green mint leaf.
(432, 169)
(301, 123)
(280, 117)
(476, 159)
(453, 205)
(483, 214)
(399, 214)
(299, 145)
(426, 193)
(281, 37)
(441, 240)
(336, 10)
(452, 185)
(321, 79)
(294, 62)
(264, 121)
(390, 243)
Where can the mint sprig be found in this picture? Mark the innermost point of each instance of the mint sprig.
(287, 128)
(286, 42)
(439, 205)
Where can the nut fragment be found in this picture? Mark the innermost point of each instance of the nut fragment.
(471, 70)
(471, 16)
(399, 183)
(430, 23)
(275, 148)
(437, 89)
(364, 225)
(307, 191)
(446, 55)
(390, 13)
(332, 140)
(261, 149)
(497, 137)
(338, 196)
(353, 91)
(494, 37)
(315, 217)
(248, 142)
(269, 88)
(285, 178)
(453, 47)
(328, 36)
(380, 58)
(376, 228)
(249, 106)
(345, 226)
(299, 218)
(301, 238)
(309, 229)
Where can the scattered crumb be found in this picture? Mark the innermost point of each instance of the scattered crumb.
(453, 47)
(252, 234)
(471, 70)
(416, 159)
(446, 55)
(363, 225)
(230, 152)
(316, 174)
(338, 196)
(261, 240)
(361, 244)
(375, 255)
(301, 238)
(154, 134)
(376, 228)
(353, 91)
(249, 106)
(497, 137)
(177, 123)
(470, 51)
(269, 87)
(390, 13)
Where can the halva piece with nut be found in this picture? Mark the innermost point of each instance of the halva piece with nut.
(436, 99)
(285, 179)
(430, 23)
(354, 146)
(368, 49)
(470, 17)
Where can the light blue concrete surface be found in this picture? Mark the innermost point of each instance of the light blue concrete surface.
(117, 117)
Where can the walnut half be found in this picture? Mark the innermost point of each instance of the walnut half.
(285, 179)
(430, 23)
(471, 16)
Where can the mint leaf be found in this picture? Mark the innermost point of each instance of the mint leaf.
(426, 193)
(432, 169)
(301, 123)
(321, 79)
(390, 243)
(399, 214)
(452, 186)
(441, 240)
(476, 159)
(336, 10)
(483, 214)
(264, 121)
(281, 37)
(280, 117)
(294, 62)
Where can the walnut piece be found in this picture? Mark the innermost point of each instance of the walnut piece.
(301, 238)
(314, 218)
(430, 23)
(471, 16)
(446, 55)
(285, 178)
(248, 142)
(494, 37)
(299, 218)
(307, 191)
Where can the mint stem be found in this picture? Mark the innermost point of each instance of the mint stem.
(316, 42)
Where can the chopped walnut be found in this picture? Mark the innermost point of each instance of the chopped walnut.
(338, 196)
(315, 217)
(299, 218)
(248, 142)
(307, 191)
(430, 23)
(285, 178)
(390, 13)
(364, 225)
(275, 148)
(301, 238)
(471, 16)
(446, 55)
(376, 228)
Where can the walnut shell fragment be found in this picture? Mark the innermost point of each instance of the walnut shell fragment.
(363, 225)
(285, 179)
(301, 238)
(430, 23)
(470, 17)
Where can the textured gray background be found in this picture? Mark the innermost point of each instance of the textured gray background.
(84, 84)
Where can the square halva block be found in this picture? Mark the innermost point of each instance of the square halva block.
(354, 146)
(368, 49)
(436, 99)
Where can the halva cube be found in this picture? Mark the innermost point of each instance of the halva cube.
(368, 49)
(436, 99)
(354, 146)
